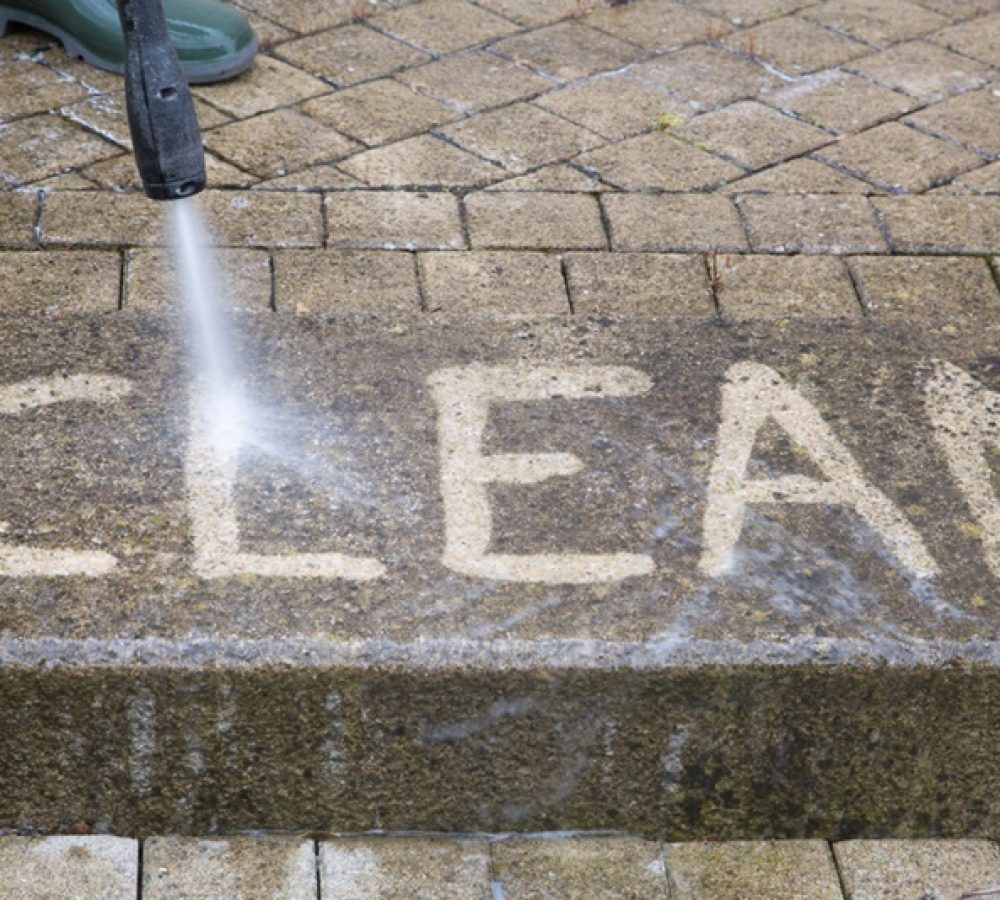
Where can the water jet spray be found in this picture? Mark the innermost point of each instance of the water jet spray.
(166, 137)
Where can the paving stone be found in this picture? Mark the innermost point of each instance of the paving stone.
(751, 134)
(104, 114)
(424, 161)
(152, 282)
(350, 54)
(879, 22)
(370, 283)
(66, 281)
(765, 287)
(68, 866)
(94, 80)
(394, 220)
(750, 12)
(443, 26)
(978, 38)
(379, 111)
(657, 160)
(317, 178)
(894, 870)
(40, 146)
(474, 80)
(615, 106)
(516, 220)
(812, 223)
(304, 15)
(532, 13)
(941, 224)
(520, 137)
(638, 285)
(568, 50)
(923, 287)
(225, 868)
(752, 870)
(840, 101)
(899, 159)
(268, 32)
(794, 45)
(18, 212)
(922, 70)
(268, 84)
(800, 176)
(278, 142)
(24, 42)
(985, 180)
(69, 181)
(972, 119)
(557, 177)
(706, 77)
(656, 24)
(26, 87)
(673, 222)
(960, 9)
(120, 174)
(404, 868)
(581, 869)
(259, 219)
(493, 283)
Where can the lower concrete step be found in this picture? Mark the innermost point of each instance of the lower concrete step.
(684, 579)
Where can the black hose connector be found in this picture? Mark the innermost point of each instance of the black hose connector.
(166, 137)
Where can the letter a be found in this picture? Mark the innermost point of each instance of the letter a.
(966, 420)
(754, 393)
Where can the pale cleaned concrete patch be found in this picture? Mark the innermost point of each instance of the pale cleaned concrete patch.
(404, 868)
(234, 868)
(43, 868)
(894, 870)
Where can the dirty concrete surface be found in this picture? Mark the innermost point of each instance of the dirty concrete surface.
(626, 403)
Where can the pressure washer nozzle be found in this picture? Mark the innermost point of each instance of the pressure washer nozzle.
(166, 137)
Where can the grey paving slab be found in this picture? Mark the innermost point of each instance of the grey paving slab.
(468, 573)
(751, 870)
(945, 869)
(247, 868)
(404, 868)
(585, 868)
(68, 867)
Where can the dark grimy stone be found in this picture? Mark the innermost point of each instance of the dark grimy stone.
(833, 673)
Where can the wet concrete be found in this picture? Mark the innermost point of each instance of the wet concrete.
(833, 672)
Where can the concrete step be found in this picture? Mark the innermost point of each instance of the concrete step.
(683, 578)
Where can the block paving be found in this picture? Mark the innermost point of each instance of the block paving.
(437, 160)
(830, 128)
(477, 867)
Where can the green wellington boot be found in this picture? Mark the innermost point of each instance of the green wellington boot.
(213, 41)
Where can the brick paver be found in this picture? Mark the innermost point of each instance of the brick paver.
(773, 176)
(735, 97)
(510, 866)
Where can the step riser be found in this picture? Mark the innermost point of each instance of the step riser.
(730, 752)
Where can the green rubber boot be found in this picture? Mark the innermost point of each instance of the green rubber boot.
(213, 41)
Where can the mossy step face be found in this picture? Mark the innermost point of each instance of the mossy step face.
(471, 574)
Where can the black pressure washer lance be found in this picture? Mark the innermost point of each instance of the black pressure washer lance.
(166, 137)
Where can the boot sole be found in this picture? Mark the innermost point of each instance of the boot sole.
(196, 73)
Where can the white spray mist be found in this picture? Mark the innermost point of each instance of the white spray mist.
(224, 406)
